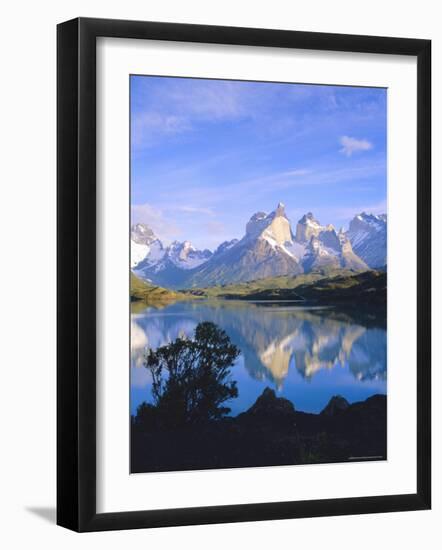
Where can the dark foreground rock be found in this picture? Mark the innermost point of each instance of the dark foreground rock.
(270, 433)
(336, 405)
(268, 406)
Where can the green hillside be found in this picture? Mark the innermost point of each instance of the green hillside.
(270, 283)
(322, 286)
(141, 291)
(367, 287)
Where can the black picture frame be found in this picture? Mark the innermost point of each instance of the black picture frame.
(76, 274)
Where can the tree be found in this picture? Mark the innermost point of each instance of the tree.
(191, 377)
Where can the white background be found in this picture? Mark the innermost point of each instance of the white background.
(27, 218)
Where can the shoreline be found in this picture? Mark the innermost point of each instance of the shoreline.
(270, 433)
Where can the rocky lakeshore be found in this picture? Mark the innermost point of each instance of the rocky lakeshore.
(271, 432)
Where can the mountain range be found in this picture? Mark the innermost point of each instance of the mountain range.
(269, 248)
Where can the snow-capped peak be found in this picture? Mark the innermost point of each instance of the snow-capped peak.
(268, 248)
(308, 227)
(371, 219)
(142, 234)
(273, 227)
(257, 223)
(280, 209)
(368, 236)
(226, 245)
(144, 244)
(185, 255)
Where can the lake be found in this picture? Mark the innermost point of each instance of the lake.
(306, 354)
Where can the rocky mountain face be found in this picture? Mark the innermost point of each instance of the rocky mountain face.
(264, 251)
(144, 243)
(185, 256)
(269, 248)
(324, 247)
(368, 236)
(163, 265)
(308, 227)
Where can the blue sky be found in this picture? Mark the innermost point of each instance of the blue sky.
(207, 154)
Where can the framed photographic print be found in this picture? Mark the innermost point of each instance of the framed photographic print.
(243, 274)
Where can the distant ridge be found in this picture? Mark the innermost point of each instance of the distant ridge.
(269, 248)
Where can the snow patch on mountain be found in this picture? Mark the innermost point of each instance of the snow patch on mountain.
(226, 245)
(186, 256)
(268, 249)
(295, 249)
(164, 265)
(327, 247)
(142, 234)
(274, 229)
(368, 236)
(307, 227)
(145, 245)
(137, 253)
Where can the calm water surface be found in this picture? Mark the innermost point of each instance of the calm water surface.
(306, 354)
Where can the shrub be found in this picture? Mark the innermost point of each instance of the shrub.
(191, 377)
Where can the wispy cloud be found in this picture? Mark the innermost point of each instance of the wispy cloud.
(170, 221)
(352, 145)
(162, 224)
(210, 100)
(346, 213)
(216, 231)
(189, 191)
(195, 210)
(341, 216)
(278, 183)
(209, 153)
(297, 173)
(148, 127)
(178, 106)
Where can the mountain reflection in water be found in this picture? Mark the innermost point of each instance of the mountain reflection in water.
(306, 354)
